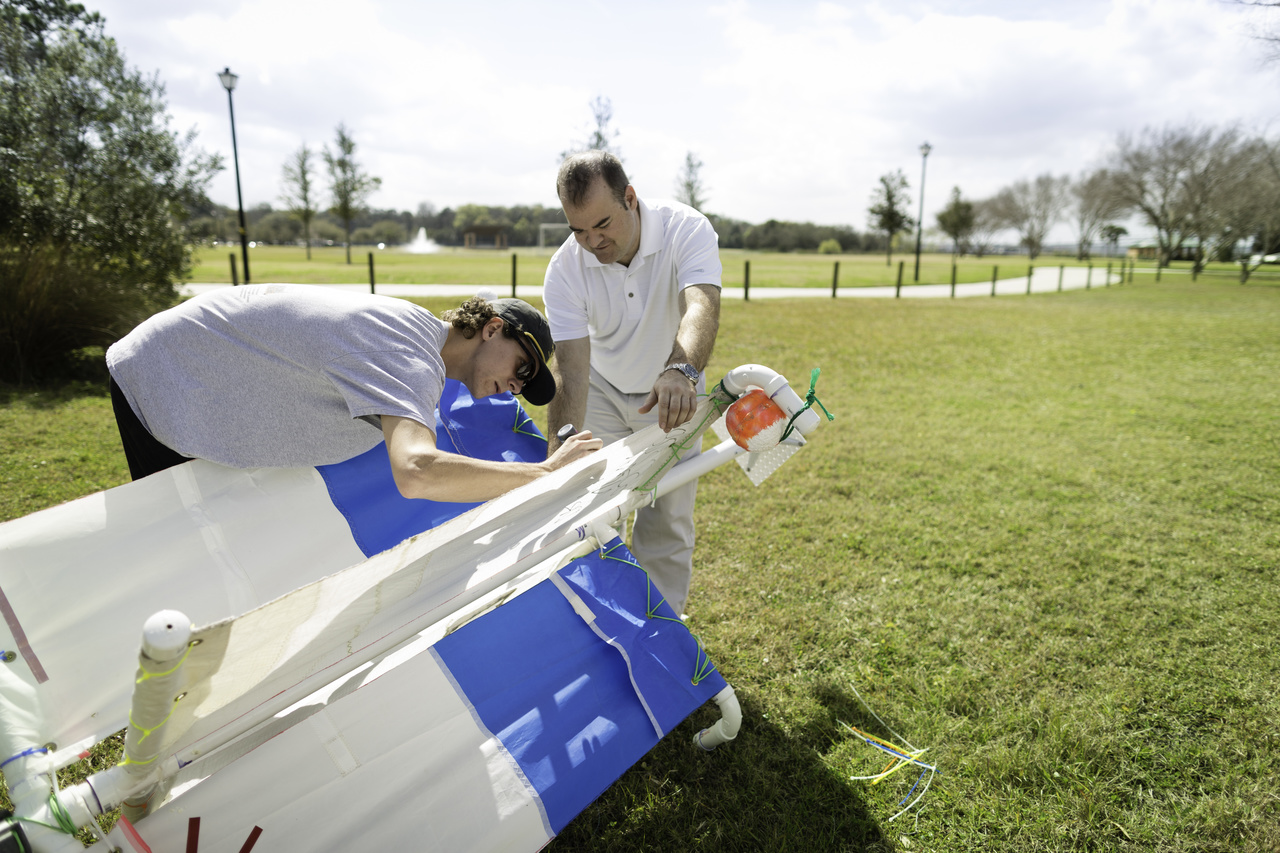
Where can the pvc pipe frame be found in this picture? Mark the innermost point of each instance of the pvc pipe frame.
(726, 728)
(108, 788)
(737, 382)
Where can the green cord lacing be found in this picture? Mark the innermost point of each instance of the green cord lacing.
(703, 666)
(809, 400)
(522, 421)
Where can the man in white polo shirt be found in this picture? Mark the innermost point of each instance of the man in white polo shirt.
(633, 299)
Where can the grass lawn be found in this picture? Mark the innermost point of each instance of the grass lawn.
(767, 269)
(1040, 539)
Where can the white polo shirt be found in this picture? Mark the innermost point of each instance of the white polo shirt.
(631, 313)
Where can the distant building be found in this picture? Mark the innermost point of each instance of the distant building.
(485, 237)
(1151, 252)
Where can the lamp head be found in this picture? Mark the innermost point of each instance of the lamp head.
(228, 79)
(925, 149)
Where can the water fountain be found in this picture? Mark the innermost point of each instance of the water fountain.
(422, 244)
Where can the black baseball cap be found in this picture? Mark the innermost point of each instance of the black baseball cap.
(532, 331)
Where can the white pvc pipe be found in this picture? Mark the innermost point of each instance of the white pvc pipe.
(726, 728)
(693, 468)
(159, 685)
(739, 380)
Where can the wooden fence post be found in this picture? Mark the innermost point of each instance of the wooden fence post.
(746, 281)
(371, 290)
(835, 280)
(897, 290)
(235, 279)
(995, 271)
(513, 275)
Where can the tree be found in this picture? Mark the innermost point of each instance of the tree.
(689, 187)
(957, 221)
(1167, 177)
(888, 210)
(1095, 206)
(1267, 30)
(986, 225)
(95, 189)
(601, 137)
(349, 185)
(1111, 235)
(298, 195)
(1032, 208)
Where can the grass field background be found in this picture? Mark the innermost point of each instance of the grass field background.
(767, 269)
(1040, 539)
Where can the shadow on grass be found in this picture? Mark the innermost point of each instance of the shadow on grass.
(766, 791)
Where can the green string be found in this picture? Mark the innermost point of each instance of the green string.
(523, 421)
(703, 666)
(809, 400)
(60, 814)
(720, 400)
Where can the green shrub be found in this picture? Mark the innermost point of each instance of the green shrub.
(830, 246)
(94, 190)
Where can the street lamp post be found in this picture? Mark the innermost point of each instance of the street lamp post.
(229, 83)
(924, 160)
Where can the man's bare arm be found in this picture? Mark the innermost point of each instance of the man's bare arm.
(573, 376)
(672, 393)
(422, 470)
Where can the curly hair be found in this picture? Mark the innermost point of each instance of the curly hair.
(471, 316)
(578, 174)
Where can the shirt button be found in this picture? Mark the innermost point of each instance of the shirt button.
(631, 295)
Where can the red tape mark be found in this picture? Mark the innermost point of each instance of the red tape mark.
(132, 835)
(193, 835)
(251, 840)
(20, 637)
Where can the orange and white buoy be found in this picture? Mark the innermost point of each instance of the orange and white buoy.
(755, 421)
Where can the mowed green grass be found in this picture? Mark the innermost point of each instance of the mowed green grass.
(1040, 539)
(765, 269)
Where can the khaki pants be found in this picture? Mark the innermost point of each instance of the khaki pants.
(663, 536)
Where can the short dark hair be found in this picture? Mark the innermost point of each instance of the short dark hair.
(579, 172)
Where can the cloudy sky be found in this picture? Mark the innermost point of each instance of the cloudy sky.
(795, 107)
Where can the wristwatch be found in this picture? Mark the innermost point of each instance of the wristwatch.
(690, 372)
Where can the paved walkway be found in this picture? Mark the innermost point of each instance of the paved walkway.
(1043, 280)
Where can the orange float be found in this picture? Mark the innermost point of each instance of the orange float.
(755, 422)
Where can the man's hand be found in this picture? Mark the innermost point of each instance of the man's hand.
(676, 399)
(574, 448)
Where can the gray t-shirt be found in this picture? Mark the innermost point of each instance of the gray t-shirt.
(278, 375)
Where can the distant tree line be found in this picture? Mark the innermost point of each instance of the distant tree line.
(1207, 193)
(278, 226)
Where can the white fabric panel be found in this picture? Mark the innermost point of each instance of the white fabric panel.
(399, 764)
(207, 540)
(279, 653)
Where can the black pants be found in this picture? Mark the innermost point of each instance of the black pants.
(144, 453)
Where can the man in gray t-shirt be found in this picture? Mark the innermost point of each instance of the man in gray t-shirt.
(297, 375)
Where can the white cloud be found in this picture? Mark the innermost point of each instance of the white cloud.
(795, 108)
